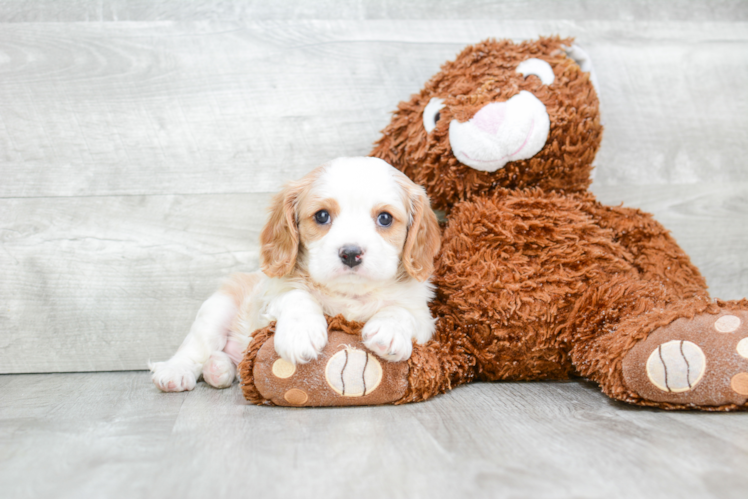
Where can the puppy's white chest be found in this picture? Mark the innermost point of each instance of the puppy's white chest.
(353, 307)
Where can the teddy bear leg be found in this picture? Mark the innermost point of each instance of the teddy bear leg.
(647, 347)
(697, 361)
(347, 373)
(655, 253)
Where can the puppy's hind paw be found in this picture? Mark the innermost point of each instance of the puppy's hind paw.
(172, 376)
(219, 371)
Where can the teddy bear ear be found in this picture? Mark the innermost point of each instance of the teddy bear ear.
(579, 56)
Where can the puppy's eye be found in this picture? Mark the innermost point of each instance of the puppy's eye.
(384, 219)
(431, 113)
(322, 217)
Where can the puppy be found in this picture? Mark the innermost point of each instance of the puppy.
(354, 237)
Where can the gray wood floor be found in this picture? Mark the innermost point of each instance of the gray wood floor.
(139, 143)
(115, 435)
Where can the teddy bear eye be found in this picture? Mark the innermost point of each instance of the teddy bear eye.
(539, 68)
(431, 113)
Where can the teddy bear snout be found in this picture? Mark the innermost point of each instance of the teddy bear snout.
(490, 117)
(500, 132)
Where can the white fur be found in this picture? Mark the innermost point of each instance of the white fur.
(395, 310)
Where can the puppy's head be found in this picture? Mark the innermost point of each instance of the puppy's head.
(352, 221)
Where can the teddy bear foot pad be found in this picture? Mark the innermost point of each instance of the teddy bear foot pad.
(345, 374)
(701, 361)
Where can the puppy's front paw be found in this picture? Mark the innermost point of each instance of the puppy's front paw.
(388, 338)
(173, 376)
(299, 339)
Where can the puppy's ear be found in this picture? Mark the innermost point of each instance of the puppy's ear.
(279, 240)
(424, 237)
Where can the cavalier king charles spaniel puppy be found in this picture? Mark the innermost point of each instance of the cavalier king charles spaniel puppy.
(354, 237)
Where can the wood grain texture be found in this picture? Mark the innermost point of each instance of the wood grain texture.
(216, 107)
(115, 435)
(253, 10)
(105, 283)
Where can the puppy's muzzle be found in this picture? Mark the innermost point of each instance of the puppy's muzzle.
(351, 255)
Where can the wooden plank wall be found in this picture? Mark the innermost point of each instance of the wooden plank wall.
(139, 141)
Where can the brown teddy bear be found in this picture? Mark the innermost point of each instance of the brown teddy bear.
(536, 280)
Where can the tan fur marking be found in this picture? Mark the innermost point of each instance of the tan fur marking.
(308, 227)
(279, 240)
(240, 285)
(394, 234)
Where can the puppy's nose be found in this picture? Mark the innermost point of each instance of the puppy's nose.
(351, 255)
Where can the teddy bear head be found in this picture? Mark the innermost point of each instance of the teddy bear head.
(501, 115)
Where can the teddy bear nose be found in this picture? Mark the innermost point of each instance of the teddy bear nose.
(351, 255)
(490, 117)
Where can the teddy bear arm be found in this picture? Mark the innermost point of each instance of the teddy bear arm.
(441, 364)
(347, 373)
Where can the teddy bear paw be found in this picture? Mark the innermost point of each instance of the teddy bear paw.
(346, 373)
